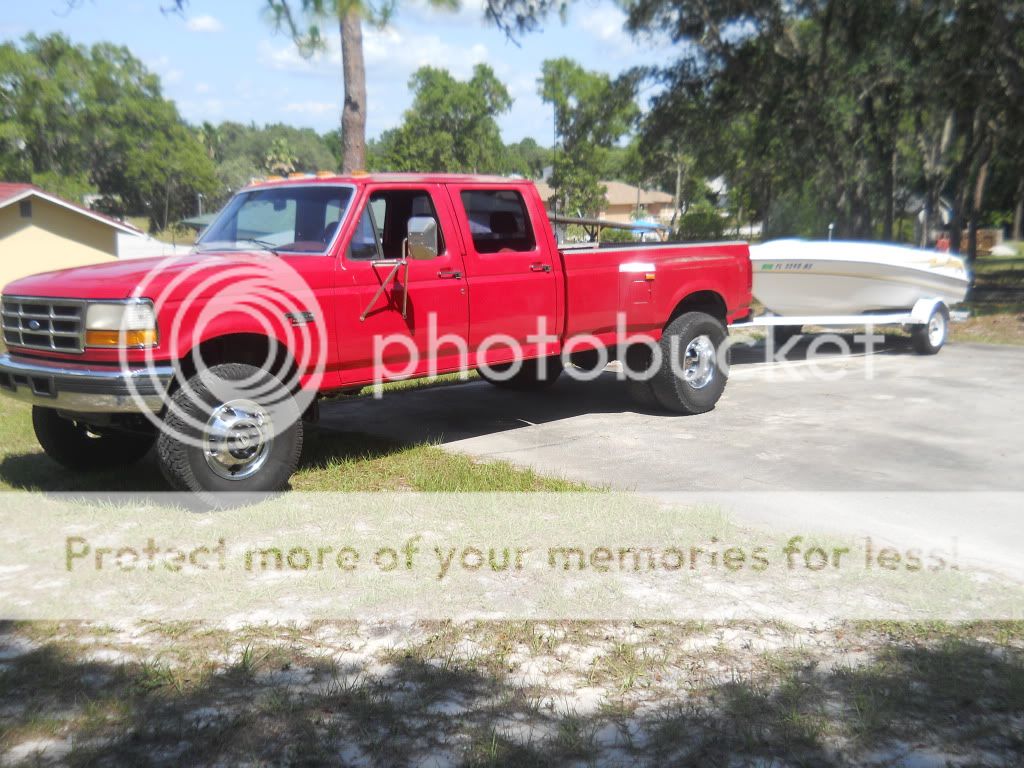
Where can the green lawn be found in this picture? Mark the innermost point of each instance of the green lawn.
(996, 303)
(175, 235)
(332, 461)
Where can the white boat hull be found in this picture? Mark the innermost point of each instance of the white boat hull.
(839, 278)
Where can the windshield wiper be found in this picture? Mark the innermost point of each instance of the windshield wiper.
(264, 244)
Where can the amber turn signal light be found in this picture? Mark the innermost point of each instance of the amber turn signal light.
(145, 338)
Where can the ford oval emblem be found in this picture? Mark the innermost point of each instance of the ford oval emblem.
(34, 325)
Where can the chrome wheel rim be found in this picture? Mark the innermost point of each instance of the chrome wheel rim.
(699, 362)
(936, 329)
(237, 440)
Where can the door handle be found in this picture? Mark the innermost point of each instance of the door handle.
(538, 267)
(449, 274)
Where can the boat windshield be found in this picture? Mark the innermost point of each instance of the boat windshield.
(284, 219)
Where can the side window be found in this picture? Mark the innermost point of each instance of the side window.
(366, 241)
(498, 220)
(384, 223)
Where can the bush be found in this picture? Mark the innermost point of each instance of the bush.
(702, 221)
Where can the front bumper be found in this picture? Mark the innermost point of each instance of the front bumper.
(80, 389)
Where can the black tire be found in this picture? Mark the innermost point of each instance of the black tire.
(180, 451)
(783, 333)
(78, 447)
(929, 338)
(638, 361)
(529, 376)
(678, 393)
(643, 395)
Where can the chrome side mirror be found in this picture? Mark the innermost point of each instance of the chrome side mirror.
(422, 238)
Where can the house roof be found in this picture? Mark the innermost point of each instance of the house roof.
(13, 193)
(618, 193)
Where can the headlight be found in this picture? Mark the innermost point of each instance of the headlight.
(132, 324)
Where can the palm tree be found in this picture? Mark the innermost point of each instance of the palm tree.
(301, 18)
(279, 159)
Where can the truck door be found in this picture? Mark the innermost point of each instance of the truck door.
(434, 294)
(512, 277)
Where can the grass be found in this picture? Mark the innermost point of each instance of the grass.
(996, 303)
(332, 461)
(174, 234)
(828, 696)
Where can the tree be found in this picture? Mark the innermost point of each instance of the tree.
(302, 19)
(279, 158)
(527, 158)
(451, 125)
(95, 119)
(841, 106)
(592, 112)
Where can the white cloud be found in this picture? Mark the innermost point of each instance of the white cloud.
(204, 24)
(389, 51)
(607, 24)
(313, 107)
(168, 74)
(202, 88)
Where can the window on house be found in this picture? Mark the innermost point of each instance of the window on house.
(26, 209)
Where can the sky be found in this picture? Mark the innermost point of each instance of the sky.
(224, 61)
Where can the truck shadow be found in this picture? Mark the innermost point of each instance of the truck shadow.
(471, 409)
(368, 428)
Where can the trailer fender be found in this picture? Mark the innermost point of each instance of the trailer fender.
(923, 309)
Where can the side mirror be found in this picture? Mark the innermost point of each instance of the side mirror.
(422, 238)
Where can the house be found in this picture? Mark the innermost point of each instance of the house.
(625, 203)
(40, 232)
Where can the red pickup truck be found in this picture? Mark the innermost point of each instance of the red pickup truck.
(315, 287)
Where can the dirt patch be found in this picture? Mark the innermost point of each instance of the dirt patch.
(513, 694)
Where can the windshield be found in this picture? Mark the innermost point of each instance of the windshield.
(297, 219)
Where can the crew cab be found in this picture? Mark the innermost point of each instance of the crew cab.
(313, 287)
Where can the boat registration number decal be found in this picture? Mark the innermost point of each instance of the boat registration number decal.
(788, 266)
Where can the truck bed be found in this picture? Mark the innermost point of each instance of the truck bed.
(643, 283)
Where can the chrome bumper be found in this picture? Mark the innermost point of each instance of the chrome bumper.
(81, 389)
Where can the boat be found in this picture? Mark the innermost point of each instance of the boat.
(808, 278)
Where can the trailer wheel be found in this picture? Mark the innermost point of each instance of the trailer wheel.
(691, 379)
(84, 449)
(529, 377)
(212, 442)
(929, 338)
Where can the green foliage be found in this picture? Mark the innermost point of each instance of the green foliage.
(308, 151)
(279, 158)
(526, 158)
(592, 112)
(451, 125)
(79, 119)
(703, 221)
(844, 112)
(73, 187)
(611, 235)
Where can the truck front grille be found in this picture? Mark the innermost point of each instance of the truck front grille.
(55, 325)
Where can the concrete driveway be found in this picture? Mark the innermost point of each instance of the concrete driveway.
(892, 422)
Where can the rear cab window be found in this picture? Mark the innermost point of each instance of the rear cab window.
(498, 221)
